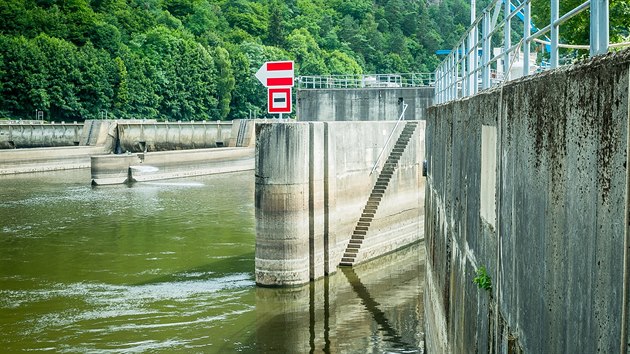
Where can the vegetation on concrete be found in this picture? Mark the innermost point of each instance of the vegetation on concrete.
(482, 279)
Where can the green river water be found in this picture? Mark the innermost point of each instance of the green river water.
(168, 267)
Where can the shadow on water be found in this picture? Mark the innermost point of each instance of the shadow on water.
(376, 307)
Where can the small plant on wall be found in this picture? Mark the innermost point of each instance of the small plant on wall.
(482, 279)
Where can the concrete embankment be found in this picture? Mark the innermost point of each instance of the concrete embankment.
(153, 165)
(312, 182)
(363, 103)
(98, 137)
(531, 181)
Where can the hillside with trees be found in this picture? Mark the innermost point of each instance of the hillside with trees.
(196, 59)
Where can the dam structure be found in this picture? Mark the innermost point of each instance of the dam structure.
(343, 185)
(122, 151)
(527, 212)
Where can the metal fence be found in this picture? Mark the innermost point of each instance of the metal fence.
(365, 81)
(474, 64)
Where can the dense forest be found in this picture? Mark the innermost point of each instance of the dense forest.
(196, 59)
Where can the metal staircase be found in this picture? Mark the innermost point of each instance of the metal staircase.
(363, 225)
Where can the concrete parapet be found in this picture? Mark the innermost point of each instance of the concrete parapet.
(531, 181)
(312, 182)
(363, 104)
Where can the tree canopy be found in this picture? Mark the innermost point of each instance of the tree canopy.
(196, 59)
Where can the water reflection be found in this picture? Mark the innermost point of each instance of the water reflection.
(375, 307)
(167, 266)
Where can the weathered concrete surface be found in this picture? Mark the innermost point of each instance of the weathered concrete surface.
(16, 134)
(152, 166)
(363, 104)
(167, 136)
(59, 158)
(549, 223)
(312, 182)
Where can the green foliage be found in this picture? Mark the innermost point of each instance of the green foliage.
(483, 280)
(196, 59)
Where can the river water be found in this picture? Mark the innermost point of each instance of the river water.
(168, 267)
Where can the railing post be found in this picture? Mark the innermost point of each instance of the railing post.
(456, 74)
(485, 45)
(507, 40)
(599, 27)
(475, 55)
(527, 29)
(554, 33)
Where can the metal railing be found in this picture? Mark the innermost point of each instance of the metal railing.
(473, 65)
(389, 138)
(365, 81)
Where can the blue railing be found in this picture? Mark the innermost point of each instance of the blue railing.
(473, 64)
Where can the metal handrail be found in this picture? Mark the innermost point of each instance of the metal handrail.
(468, 66)
(365, 81)
(389, 138)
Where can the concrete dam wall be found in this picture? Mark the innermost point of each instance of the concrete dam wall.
(32, 135)
(312, 181)
(363, 104)
(531, 182)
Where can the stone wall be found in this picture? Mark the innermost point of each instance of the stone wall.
(530, 181)
(312, 182)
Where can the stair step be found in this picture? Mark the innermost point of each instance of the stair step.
(359, 233)
(348, 259)
(373, 204)
(361, 228)
(366, 219)
(351, 252)
(345, 264)
(354, 246)
(356, 242)
(362, 223)
(357, 237)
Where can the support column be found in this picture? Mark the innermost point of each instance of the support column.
(282, 204)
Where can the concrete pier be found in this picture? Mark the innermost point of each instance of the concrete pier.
(312, 181)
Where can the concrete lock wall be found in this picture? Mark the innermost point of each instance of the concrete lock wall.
(531, 182)
(363, 104)
(312, 182)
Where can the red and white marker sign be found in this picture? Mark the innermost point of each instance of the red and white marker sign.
(276, 74)
(279, 100)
